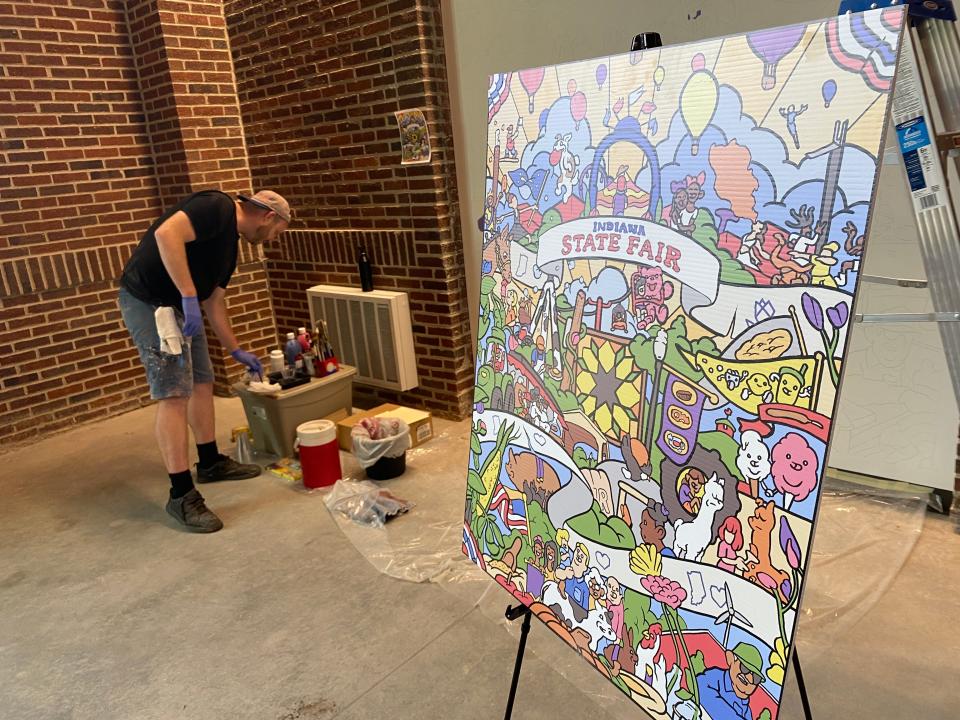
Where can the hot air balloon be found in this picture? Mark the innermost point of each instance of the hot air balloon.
(658, 76)
(698, 103)
(771, 46)
(698, 62)
(571, 86)
(829, 91)
(578, 107)
(601, 74)
(865, 44)
(531, 81)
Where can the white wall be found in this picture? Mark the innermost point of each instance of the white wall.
(897, 417)
(487, 36)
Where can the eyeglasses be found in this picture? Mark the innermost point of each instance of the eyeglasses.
(263, 206)
(748, 678)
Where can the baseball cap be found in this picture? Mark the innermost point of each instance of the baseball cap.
(749, 658)
(269, 200)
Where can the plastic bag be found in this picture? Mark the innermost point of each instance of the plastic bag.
(374, 438)
(365, 504)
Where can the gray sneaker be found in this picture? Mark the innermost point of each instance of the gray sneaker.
(191, 512)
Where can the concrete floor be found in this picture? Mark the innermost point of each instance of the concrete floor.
(109, 611)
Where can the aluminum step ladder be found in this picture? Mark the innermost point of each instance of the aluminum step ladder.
(926, 116)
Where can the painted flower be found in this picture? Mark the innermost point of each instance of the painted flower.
(648, 640)
(609, 386)
(813, 310)
(767, 582)
(778, 661)
(789, 544)
(669, 592)
(786, 588)
(646, 560)
(837, 315)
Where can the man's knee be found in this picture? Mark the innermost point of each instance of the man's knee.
(173, 404)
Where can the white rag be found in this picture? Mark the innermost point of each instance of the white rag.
(171, 339)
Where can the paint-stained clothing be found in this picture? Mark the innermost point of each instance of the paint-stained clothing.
(169, 376)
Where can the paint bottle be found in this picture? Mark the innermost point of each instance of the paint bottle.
(366, 269)
(291, 351)
(304, 339)
(276, 361)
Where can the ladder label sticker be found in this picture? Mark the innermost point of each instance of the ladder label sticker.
(913, 134)
(913, 137)
(920, 159)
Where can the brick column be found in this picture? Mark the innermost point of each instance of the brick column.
(319, 84)
(193, 121)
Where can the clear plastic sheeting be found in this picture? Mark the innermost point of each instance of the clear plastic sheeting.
(423, 545)
(863, 531)
(365, 503)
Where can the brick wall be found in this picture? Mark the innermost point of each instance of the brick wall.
(189, 96)
(76, 189)
(102, 123)
(318, 86)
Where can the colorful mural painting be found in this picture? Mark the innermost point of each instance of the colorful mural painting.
(672, 241)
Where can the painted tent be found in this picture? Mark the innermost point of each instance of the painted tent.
(672, 242)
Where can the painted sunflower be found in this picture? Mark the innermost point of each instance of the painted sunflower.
(609, 386)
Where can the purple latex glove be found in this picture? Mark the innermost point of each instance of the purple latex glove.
(249, 359)
(192, 319)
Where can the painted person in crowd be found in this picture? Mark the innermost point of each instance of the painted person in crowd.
(725, 693)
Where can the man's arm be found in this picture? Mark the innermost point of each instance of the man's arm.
(172, 238)
(216, 309)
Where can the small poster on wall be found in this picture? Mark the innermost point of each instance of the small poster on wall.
(414, 137)
(672, 244)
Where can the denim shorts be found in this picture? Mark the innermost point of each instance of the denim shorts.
(169, 376)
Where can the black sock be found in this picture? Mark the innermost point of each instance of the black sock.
(180, 484)
(209, 453)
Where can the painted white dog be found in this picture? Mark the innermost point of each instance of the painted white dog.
(753, 460)
(693, 537)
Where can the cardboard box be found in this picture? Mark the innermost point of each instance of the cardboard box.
(420, 422)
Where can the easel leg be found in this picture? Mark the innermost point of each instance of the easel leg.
(801, 686)
(512, 614)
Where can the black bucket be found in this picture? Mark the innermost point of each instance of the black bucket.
(387, 468)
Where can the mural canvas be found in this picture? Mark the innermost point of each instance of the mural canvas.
(672, 242)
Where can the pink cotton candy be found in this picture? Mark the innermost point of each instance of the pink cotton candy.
(794, 468)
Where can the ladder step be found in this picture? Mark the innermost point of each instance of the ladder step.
(948, 141)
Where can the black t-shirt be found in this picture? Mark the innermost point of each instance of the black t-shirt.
(212, 256)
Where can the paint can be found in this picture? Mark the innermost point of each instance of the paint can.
(319, 453)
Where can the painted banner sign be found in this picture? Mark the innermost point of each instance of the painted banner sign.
(672, 243)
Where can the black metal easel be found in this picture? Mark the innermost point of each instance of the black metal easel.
(514, 613)
(801, 686)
